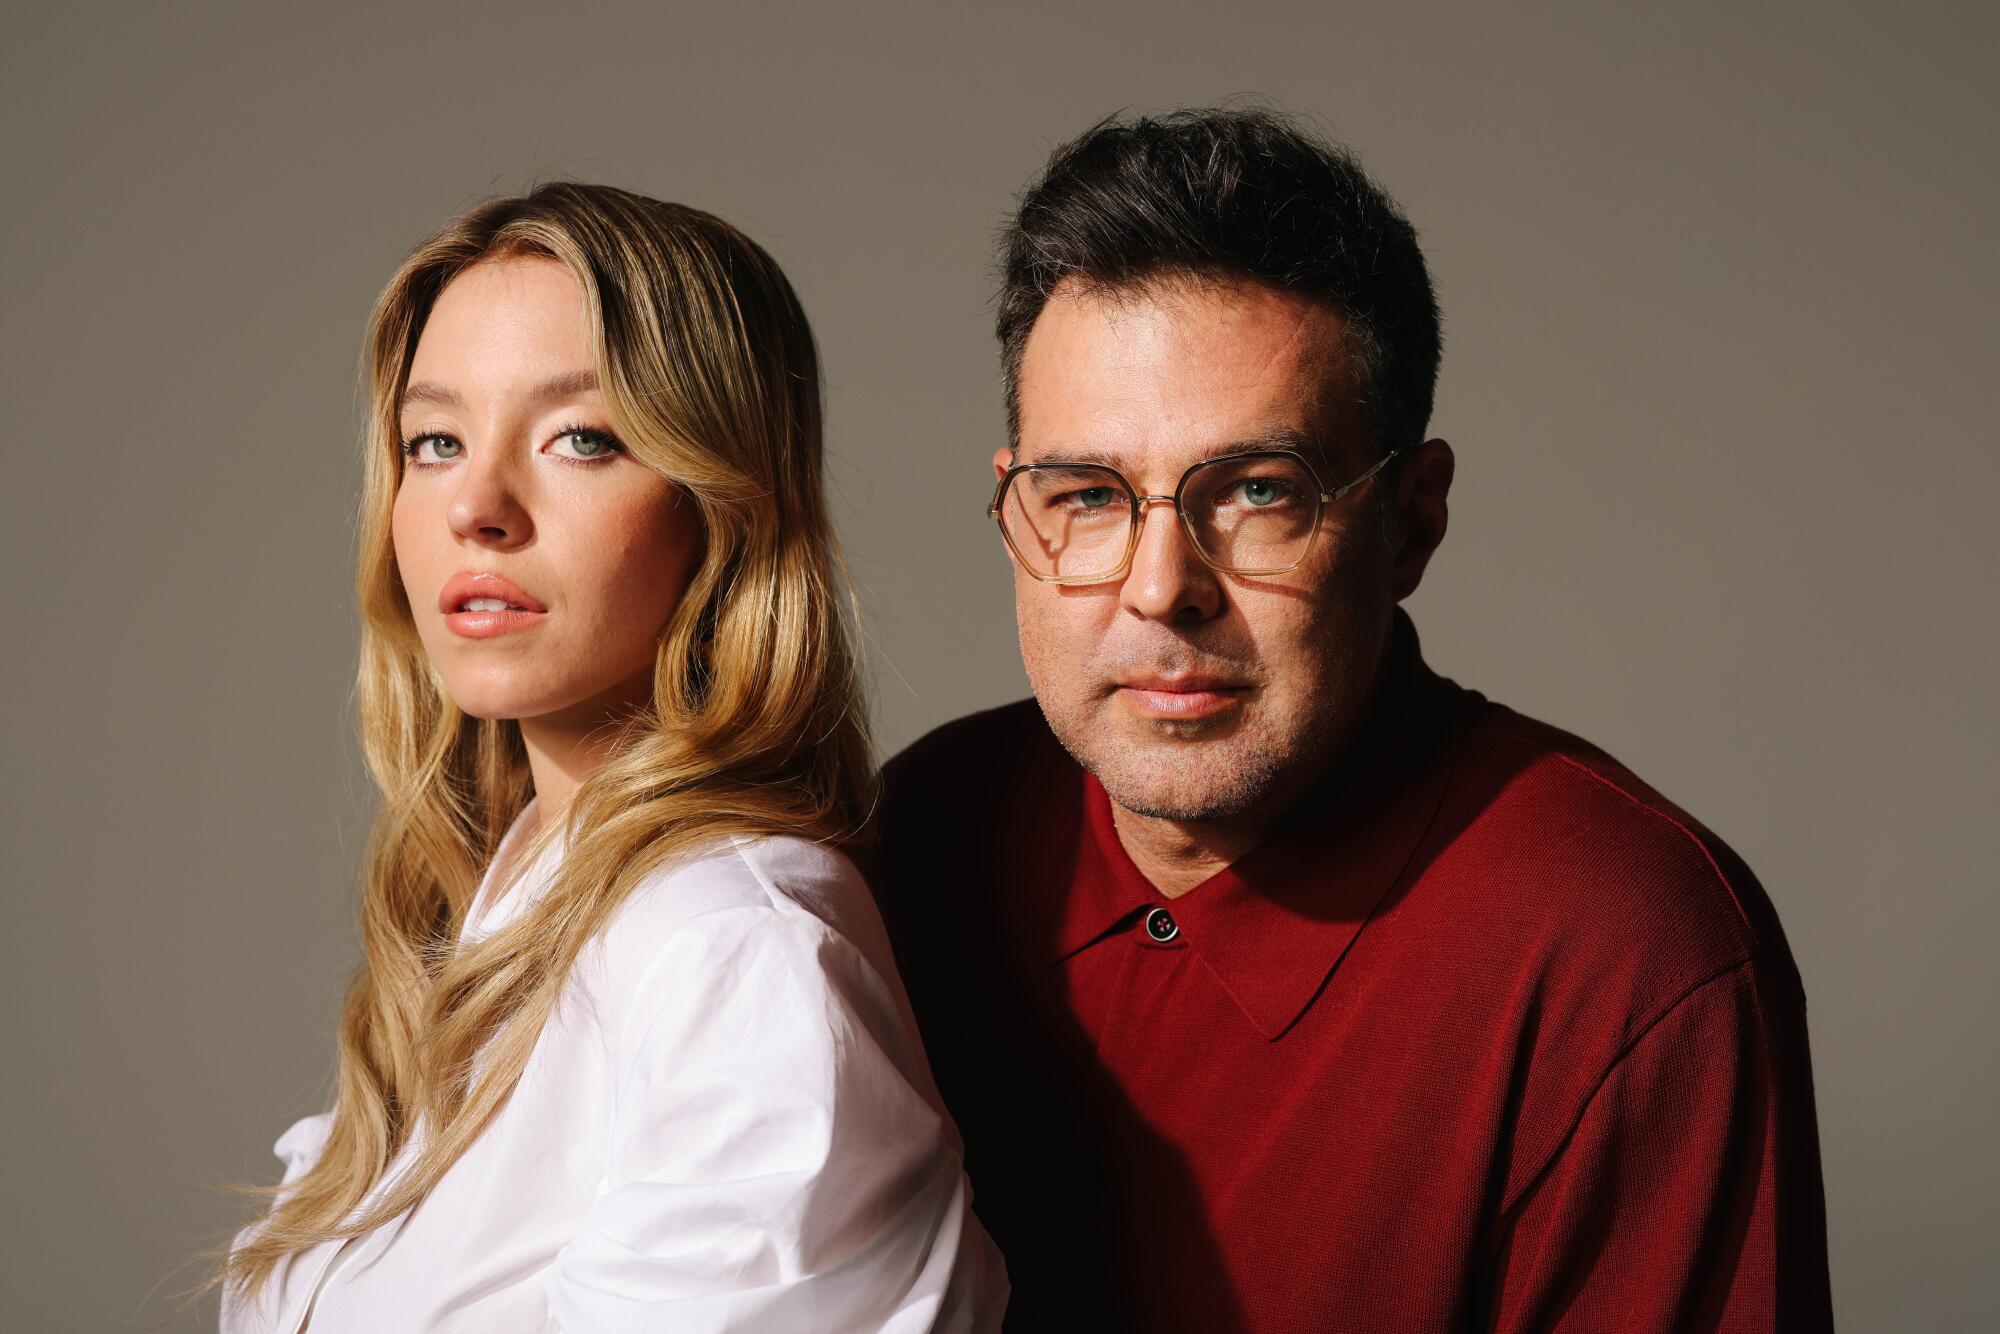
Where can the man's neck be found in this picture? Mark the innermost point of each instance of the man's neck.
(1177, 855)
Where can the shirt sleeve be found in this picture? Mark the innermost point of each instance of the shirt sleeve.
(1688, 1196)
(773, 1165)
(301, 1145)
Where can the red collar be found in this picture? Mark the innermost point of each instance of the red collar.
(1274, 926)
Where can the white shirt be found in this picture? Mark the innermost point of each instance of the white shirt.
(727, 1124)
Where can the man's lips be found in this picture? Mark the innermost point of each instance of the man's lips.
(1184, 697)
(478, 604)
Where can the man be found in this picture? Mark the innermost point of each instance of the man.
(1278, 983)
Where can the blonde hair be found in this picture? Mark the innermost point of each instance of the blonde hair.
(709, 371)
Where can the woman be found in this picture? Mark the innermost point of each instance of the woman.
(628, 1050)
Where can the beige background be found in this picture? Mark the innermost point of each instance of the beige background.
(1720, 294)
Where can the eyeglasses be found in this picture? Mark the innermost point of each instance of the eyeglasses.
(1256, 512)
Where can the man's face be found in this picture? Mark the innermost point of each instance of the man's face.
(1193, 695)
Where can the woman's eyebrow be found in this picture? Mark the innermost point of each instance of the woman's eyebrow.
(566, 385)
(423, 391)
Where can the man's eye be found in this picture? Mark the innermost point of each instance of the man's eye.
(1092, 497)
(1259, 492)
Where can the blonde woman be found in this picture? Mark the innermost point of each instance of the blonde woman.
(628, 1050)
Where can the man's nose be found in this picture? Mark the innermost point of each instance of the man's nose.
(1168, 581)
(486, 506)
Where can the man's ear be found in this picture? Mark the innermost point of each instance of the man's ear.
(1003, 459)
(1423, 484)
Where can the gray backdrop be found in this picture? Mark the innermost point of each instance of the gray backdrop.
(1719, 291)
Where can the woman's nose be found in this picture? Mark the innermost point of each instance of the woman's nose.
(487, 506)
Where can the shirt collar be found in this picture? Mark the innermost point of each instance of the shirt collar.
(1275, 925)
(489, 913)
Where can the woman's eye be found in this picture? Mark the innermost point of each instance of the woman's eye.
(582, 442)
(432, 449)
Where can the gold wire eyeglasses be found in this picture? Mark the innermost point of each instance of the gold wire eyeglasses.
(1257, 512)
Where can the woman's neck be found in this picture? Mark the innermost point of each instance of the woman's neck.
(565, 747)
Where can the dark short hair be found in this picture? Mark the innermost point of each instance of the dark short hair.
(1217, 192)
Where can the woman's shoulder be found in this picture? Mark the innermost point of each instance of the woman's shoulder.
(769, 887)
(778, 873)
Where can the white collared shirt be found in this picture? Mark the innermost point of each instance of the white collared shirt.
(727, 1124)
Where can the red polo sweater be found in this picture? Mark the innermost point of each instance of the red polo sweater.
(1486, 1035)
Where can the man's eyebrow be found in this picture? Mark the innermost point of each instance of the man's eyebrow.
(566, 385)
(1281, 437)
(1083, 456)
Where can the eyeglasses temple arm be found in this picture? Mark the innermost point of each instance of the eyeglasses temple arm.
(1374, 468)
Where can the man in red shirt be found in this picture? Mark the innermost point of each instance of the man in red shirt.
(1278, 983)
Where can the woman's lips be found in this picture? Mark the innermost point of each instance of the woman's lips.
(478, 604)
(486, 624)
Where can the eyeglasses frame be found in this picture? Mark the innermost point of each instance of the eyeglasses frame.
(1138, 503)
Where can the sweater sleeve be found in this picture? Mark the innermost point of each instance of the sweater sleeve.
(774, 1164)
(1687, 1196)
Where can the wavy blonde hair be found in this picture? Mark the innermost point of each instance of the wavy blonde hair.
(756, 726)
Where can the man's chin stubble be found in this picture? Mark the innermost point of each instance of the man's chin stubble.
(1182, 784)
(1176, 802)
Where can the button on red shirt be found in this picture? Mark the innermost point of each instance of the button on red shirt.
(1487, 1034)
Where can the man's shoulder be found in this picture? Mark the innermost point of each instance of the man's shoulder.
(1596, 865)
(971, 803)
(975, 767)
(1584, 910)
(1010, 732)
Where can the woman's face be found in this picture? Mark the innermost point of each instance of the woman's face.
(541, 561)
